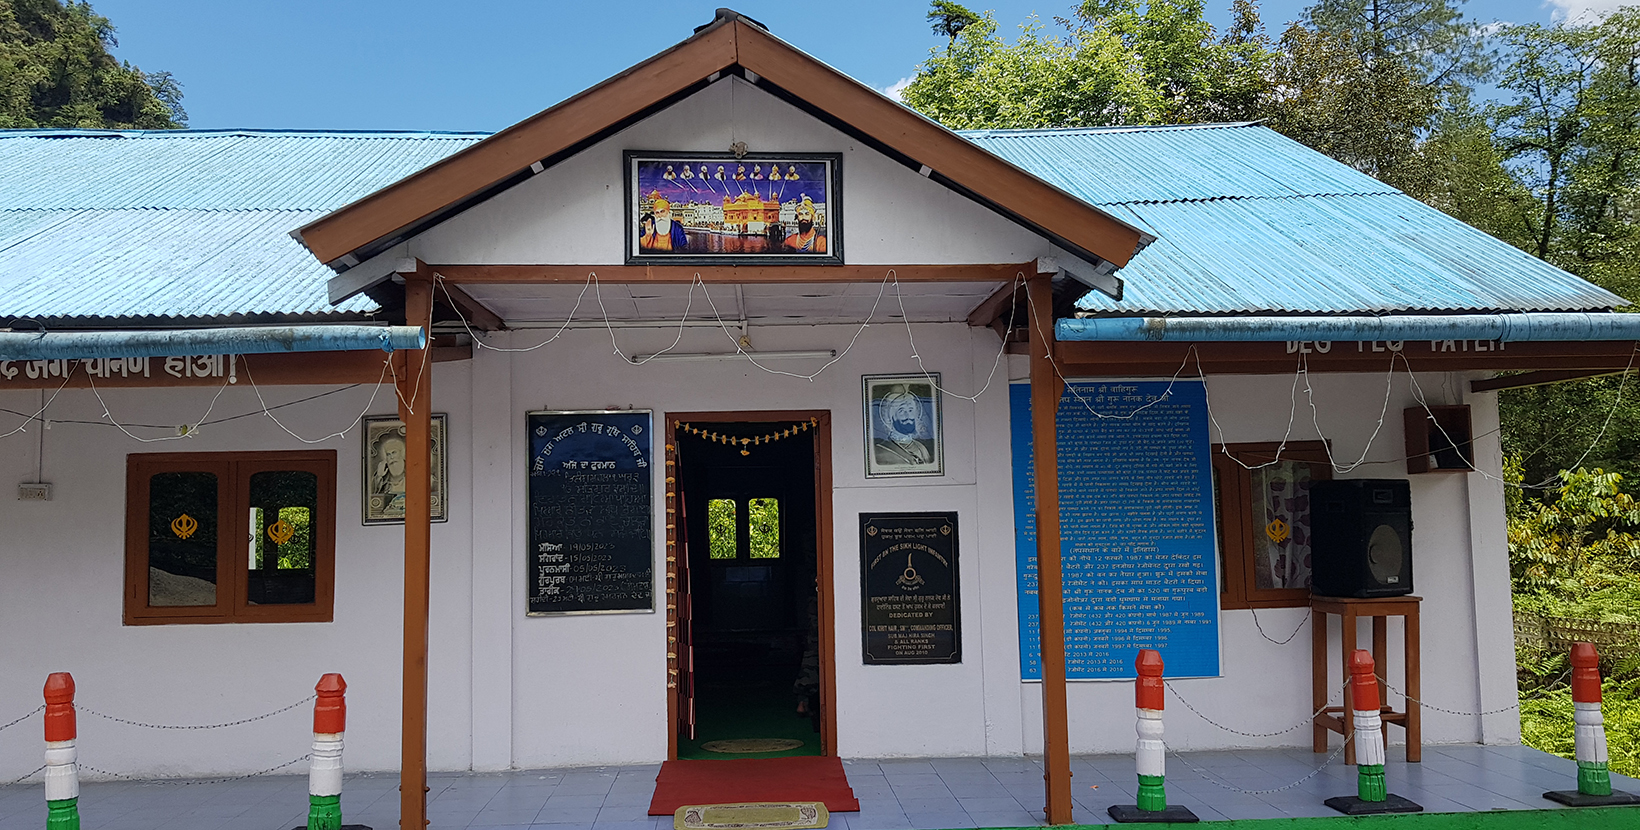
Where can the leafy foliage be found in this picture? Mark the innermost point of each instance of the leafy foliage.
(1369, 114)
(1116, 62)
(949, 18)
(1429, 37)
(1582, 541)
(55, 71)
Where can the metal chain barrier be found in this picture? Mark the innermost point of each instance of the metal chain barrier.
(1308, 721)
(190, 783)
(1260, 627)
(1283, 788)
(16, 781)
(1498, 711)
(37, 710)
(80, 708)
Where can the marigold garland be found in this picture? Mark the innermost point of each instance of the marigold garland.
(746, 443)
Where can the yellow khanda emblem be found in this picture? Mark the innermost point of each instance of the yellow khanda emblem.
(280, 532)
(184, 526)
(1278, 531)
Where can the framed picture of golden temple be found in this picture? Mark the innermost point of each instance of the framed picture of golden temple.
(722, 209)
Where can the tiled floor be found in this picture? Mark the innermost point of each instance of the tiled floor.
(894, 794)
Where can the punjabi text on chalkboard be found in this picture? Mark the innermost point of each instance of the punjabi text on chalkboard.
(590, 522)
(1140, 567)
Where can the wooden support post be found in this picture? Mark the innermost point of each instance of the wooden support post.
(1046, 389)
(413, 373)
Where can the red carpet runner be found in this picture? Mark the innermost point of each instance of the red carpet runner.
(810, 778)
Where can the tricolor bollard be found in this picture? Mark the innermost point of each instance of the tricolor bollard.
(62, 775)
(1594, 780)
(1150, 755)
(325, 768)
(1372, 795)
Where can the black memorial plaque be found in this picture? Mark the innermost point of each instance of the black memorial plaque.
(909, 605)
(590, 546)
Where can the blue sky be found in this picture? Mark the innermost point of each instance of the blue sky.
(486, 64)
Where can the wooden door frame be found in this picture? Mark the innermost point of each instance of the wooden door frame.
(823, 551)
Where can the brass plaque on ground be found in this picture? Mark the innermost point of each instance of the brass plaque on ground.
(747, 745)
(803, 815)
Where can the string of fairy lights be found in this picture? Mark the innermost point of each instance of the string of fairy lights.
(192, 427)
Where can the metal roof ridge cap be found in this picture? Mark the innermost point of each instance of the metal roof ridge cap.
(986, 132)
(212, 132)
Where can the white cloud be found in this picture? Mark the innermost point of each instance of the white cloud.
(1584, 11)
(893, 90)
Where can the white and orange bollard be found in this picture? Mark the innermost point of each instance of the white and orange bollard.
(62, 774)
(1372, 795)
(325, 767)
(1594, 779)
(1150, 754)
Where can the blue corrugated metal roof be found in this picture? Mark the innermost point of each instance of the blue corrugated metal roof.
(194, 224)
(1249, 221)
(185, 224)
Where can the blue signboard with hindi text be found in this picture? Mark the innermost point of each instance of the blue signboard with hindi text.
(1137, 541)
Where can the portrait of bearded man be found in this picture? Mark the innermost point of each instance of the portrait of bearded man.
(902, 424)
(808, 238)
(666, 234)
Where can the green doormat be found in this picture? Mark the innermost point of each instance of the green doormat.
(742, 746)
(806, 815)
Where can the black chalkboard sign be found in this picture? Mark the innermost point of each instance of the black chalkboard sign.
(591, 535)
(910, 611)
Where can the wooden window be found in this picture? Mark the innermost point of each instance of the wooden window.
(230, 537)
(1264, 521)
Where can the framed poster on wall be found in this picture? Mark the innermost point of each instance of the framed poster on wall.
(590, 544)
(903, 429)
(722, 209)
(382, 489)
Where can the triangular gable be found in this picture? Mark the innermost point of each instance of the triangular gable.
(730, 44)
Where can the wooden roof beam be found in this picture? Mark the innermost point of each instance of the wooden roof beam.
(453, 275)
(1538, 378)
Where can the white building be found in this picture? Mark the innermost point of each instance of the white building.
(939, 262)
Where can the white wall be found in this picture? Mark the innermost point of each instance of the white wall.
(62, 581)
(511, 690)
(573, 212)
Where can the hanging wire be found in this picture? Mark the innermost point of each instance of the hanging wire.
(183, 430)
(369, 405)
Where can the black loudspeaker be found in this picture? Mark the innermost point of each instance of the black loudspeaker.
(1361, 538)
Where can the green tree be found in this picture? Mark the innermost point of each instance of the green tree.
(1580, 541)
(1431, 37)
(1114, 62)
(55, 71)
(1369, 114)
(949, 18)
(1469, 180)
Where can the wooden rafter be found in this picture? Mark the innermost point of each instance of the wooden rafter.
(745, 274)
(1135, 359)
(477, 315)
(1539, 378)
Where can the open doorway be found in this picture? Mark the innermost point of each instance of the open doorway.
(751, 557)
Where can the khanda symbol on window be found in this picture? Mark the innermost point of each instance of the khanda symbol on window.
(184, 526)
(1278, 531)
(280, 532)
